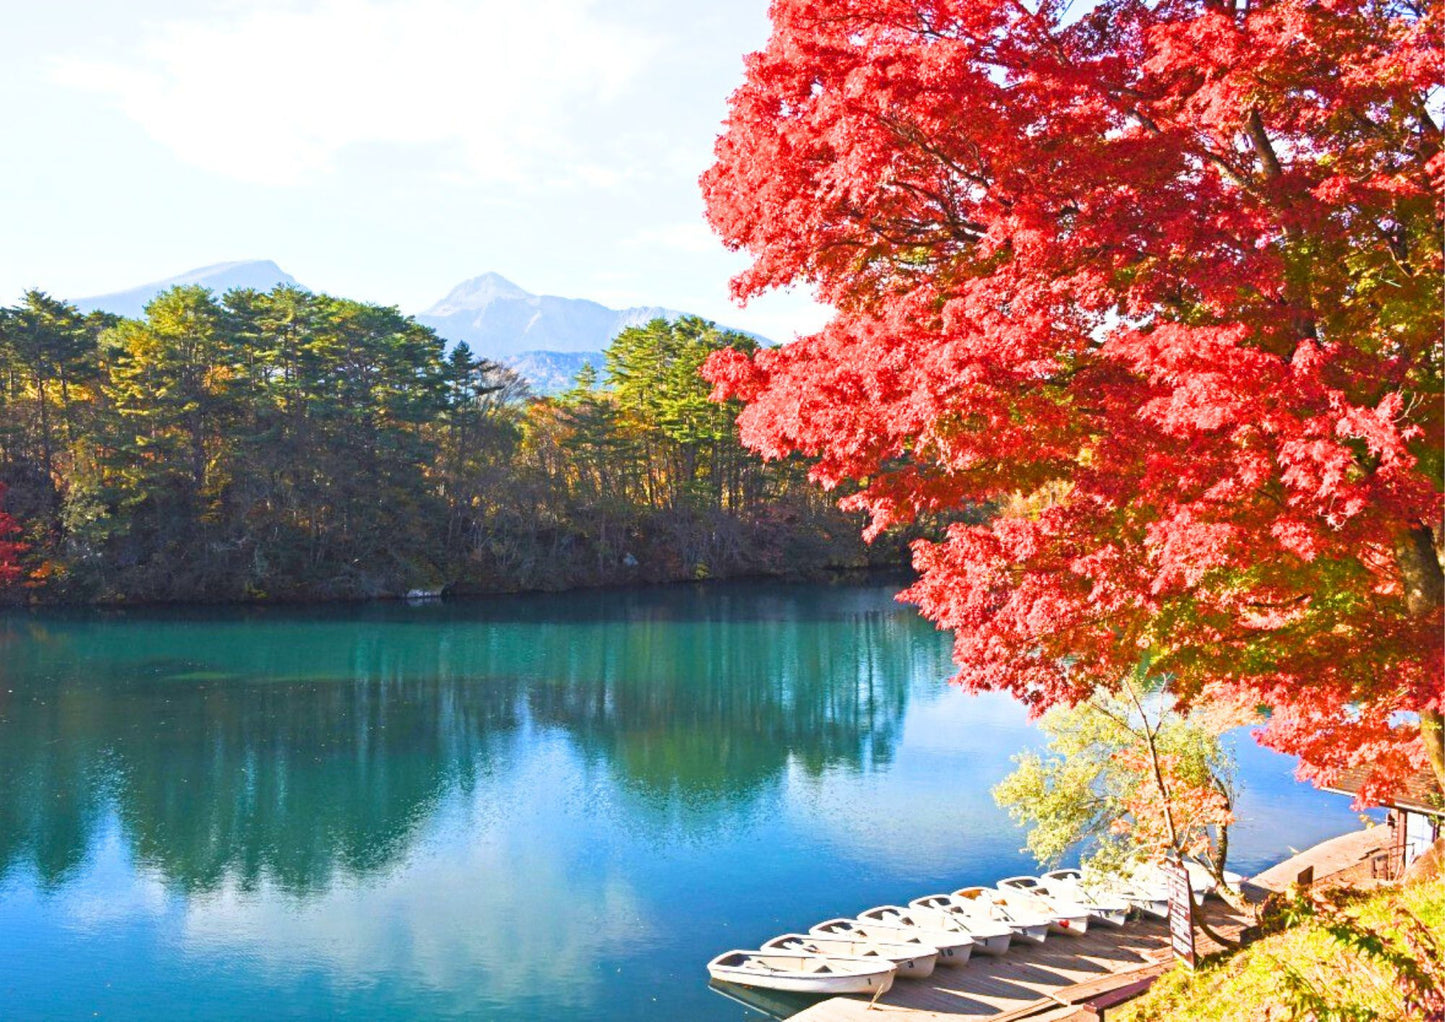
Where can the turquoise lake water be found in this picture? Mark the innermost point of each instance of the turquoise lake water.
(531, 807)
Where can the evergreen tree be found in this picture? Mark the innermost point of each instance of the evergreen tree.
(290, 444)
(654, 371)
(48, 349)
(168, 388)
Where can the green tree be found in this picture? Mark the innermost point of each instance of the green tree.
(291, 444)
(605, 454)
(654, 371)
(477, 437)
(170, 377)
(47, 349)
(1126, 778)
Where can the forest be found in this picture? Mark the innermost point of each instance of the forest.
(286, 445)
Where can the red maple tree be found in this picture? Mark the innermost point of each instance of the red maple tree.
(9, 549)
(1160, 285)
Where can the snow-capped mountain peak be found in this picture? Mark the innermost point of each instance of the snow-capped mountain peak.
(478, 293)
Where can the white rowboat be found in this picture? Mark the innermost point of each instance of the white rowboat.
(913, 961)
(953, 948)
(1070, 915)
(1106, 908)
(802, 972)
(1149, 898)
(933, 919)
(990, 936)
(1200, 879)
(981, 901)
(1150, 879)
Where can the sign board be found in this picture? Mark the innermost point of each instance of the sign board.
(1181, 911)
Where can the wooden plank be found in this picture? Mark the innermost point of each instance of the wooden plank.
(1028, 980)
(1121, 994)
(1031, 1011)
(1107, 985)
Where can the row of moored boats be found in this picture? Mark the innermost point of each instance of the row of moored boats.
(864, 955)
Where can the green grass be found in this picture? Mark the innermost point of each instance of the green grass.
(1306, 972)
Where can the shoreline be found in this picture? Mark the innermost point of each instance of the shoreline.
(825, 575)
(1102, 970)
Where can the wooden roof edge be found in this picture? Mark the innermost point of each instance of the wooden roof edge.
(1394, 802)
(1418, 793)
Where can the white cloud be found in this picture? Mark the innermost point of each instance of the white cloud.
(497, 920)
(275, 95)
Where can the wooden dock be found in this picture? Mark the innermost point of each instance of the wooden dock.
(1344, 859)
(1038, 982)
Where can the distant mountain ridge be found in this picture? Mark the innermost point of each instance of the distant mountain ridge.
(545, 338)
(259, 274)
(499, 319)
(549, 373)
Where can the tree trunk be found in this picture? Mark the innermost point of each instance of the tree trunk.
(1215, 864)
(1424, 580)
(1432, 733)
(1165, 799)
(46, 459)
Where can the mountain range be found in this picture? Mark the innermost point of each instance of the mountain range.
(551, 372)
(260, 274)
(545, 338)
(500, 320)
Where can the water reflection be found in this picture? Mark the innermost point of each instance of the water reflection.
(486, 925)
(702, 714)
(293, 782)
(538, 807)
(291, 748)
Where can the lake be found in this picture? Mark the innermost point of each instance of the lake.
(529, 807)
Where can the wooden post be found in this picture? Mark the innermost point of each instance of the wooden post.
(1306, 879)
(1396, 863)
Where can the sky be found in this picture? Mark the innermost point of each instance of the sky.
(383, 150)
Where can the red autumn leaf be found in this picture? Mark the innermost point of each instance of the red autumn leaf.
(9, 549)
